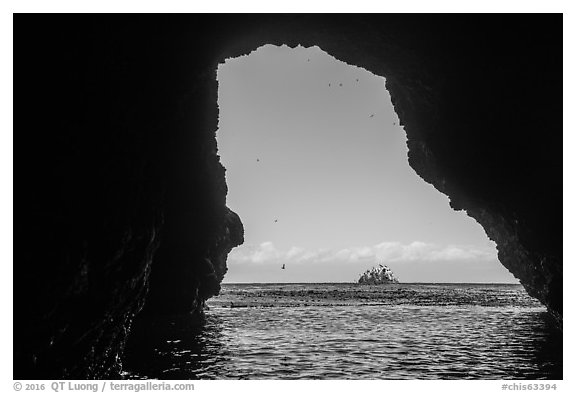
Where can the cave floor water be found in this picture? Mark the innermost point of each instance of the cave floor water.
(347, 331)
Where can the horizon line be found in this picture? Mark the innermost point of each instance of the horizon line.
(353, 282)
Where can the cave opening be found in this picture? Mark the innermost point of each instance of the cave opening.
(317, 169)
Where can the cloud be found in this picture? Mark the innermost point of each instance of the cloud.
(266, 252)
(294, 252)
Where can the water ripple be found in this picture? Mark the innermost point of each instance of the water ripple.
(331, 331)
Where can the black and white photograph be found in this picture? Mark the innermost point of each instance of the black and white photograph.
(288, 196)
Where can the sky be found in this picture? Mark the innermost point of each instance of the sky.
(317, 169)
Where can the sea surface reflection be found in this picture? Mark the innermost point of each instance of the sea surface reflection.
(343, 331)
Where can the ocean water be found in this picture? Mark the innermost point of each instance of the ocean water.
(347, 331)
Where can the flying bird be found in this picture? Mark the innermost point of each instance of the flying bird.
(357, 79)
(329, 84)
(276, 220)
(283, 266)
(340, 84)
(257, 160)
(372, 115)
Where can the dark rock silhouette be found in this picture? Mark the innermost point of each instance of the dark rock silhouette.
(120, 213)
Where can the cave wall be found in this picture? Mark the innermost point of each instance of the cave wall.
(121, 196)
(117, 167)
